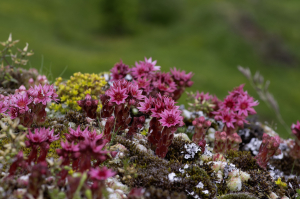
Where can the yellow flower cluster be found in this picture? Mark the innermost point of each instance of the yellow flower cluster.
(76, 88)
(280, 183)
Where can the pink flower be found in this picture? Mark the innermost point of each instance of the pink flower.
(202, 96)
(296, 131)
(244, 105)
(93, 135)
(117, 95)
(89, 106)
(76, 135)
(153, 63)
(68, 149)
(71, 147)
(101, 174)
(134, 92)
(119, 71)
(42, 79)
(143, 83)
(171, 118)
(228, 118)
(43, 94)
(240, 120)
(31, 82)
(228, 104)
(50, 135)
(21, 101)
(268, 148)
(144, 69)
(13, 112)
(21, 90)
(181, 78)
(159, 107)
(238, 92)
(170, 104)
(39, 136)
(3, 106)
(164, 82)
(146, 106)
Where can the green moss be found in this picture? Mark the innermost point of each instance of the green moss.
(260, 183)
(242, 160)
(158, 193)
(177, 151)
(154, 171)
(238, 196)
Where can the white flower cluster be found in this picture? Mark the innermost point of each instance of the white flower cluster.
(191, 149)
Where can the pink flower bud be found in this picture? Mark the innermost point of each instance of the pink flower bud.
(31, 82)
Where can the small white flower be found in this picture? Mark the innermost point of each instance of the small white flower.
(200, 185)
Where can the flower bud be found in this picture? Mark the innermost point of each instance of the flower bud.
(244, 176)
(234, 184)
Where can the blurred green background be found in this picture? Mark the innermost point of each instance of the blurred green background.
(209, 38)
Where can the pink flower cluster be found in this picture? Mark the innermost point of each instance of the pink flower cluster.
(233, 112)
(235, 108)
(41, 138)
(81, 148)
(166, 118)
(294, 152)
(119, 71)
(98, 176)
(224, 142)
(29, 105)
(268, 148)
(41, 79)
(39, 143)
(117, 101)
(206, 97)
(89, 106)
(201, 125)
(148, 77)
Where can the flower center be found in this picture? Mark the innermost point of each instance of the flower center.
(227, 118)
(21, 103)
(229, 104)
(244, 106)
(170, 120)
(41, 95)
(35, 139)
(118, 96)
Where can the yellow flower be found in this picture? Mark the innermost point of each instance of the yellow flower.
(74, 92)
(63, 98)
(280, 183)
